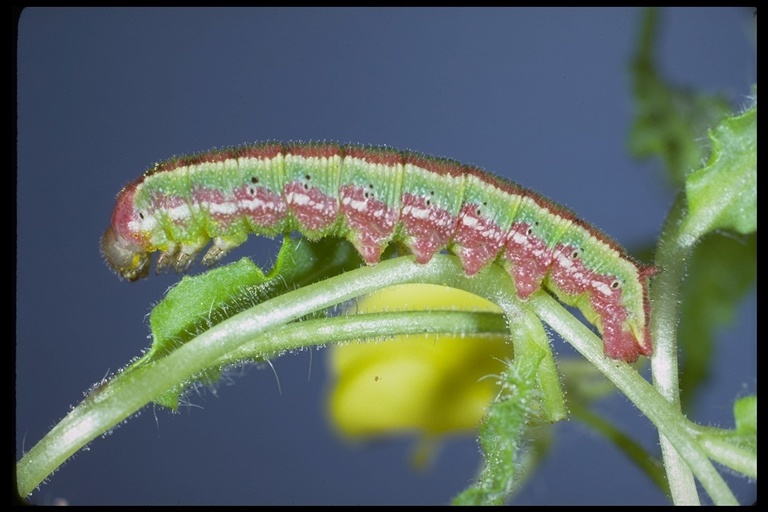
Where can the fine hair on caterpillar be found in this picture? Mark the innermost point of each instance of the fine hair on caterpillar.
(375, 196)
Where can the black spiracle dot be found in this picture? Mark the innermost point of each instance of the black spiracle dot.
(575, 254)
(141, 215)
(254, 180)
(616, 284)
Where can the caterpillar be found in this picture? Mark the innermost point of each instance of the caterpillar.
(374, 196)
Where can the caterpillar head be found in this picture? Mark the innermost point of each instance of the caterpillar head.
(122, 244)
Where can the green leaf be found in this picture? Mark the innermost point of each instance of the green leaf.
(723, 194)
(669, 120)
(199, 302)
(501, 434)
(745, 414)
(193, 305)
(734, 448)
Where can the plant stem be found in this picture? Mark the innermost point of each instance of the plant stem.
(667, 418)
(671, 257)
(129, 391)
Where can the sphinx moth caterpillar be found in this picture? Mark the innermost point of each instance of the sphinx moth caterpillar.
(374, 196)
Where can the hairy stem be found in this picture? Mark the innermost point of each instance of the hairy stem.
(125, 394)
(671, 257)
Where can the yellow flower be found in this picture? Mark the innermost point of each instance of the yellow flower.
(428, 385)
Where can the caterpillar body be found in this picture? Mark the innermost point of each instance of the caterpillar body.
(374, 196)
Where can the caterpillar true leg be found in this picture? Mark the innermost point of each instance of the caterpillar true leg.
(166, 259)
(218, 250)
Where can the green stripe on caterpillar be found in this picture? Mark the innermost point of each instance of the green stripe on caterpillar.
(374, 196)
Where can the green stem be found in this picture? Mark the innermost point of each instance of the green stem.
(738, 459)
(364, 326)
(729, 448)
(253, 333)
(671, 257)
(507, 420)
(129, 391)
(667, 418)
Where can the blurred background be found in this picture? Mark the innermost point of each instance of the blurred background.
(539, 96)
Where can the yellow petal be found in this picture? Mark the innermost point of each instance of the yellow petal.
(425, 384)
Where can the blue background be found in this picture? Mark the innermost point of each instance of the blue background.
(540, 96)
